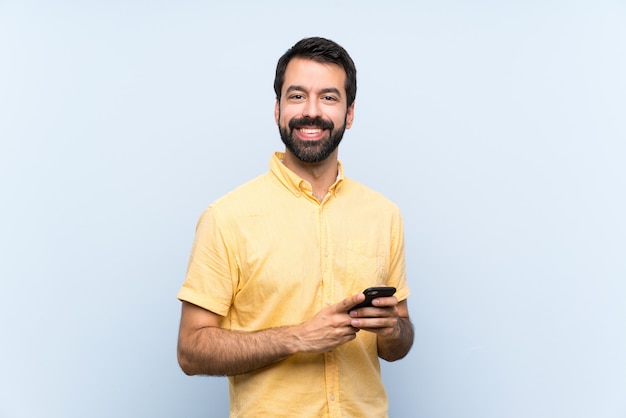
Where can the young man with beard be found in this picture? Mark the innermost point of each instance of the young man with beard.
(278, 263)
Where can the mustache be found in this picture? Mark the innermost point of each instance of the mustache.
(318, 122)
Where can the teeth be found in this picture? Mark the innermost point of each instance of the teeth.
(310, 131)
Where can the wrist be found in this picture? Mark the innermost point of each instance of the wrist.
(292, 342)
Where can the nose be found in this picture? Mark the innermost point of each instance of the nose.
(312, 108)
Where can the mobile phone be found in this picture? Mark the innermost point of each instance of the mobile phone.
(372, 293)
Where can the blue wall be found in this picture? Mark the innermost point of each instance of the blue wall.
(499, 130)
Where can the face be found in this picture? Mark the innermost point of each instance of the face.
(312, 114)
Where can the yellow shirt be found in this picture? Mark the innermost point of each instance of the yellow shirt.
(268, 254)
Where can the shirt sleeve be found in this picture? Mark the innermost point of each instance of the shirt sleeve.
(397, 266)
(212, 272)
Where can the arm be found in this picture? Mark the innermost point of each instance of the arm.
(389, 319)
(205, 348)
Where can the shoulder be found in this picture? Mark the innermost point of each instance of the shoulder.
(245, 200)
(246, 192)
(363, 194)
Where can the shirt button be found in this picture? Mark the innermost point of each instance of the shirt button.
(332, 397)
(325, 253)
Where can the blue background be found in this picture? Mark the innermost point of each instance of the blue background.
(498, 128)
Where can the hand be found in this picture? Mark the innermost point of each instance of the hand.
(329, 328)
(381, 319)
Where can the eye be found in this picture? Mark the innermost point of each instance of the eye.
(329, 98)
(296, 97)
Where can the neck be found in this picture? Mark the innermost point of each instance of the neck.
(320, 175)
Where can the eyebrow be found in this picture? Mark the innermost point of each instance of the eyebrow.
(323, 91)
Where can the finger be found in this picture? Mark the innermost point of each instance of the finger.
(374, 312)
(373, 323)
(345, 305)
(385, 301)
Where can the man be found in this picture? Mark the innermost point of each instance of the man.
(278, 263)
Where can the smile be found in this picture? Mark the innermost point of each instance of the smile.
(310, 131)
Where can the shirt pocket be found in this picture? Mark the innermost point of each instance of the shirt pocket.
(366, 265)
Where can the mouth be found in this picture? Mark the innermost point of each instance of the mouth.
(310, 133)
(309, 129)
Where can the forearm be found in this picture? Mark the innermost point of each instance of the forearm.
(396, 345)
(205, 348)
(215, 351)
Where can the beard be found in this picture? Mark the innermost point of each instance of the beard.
(311, 151)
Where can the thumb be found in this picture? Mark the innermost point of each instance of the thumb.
(345, 305)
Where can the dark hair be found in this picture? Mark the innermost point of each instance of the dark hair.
(319, 50)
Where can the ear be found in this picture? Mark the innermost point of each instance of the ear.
(276, 111)
(350, 116)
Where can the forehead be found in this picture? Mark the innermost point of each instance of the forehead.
(313, 75)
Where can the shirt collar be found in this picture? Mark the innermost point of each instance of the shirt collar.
(293, 182)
